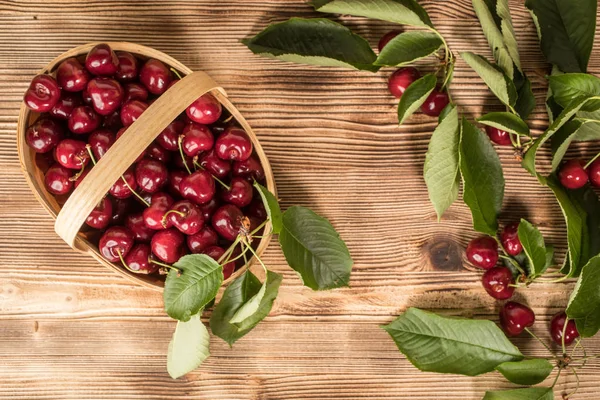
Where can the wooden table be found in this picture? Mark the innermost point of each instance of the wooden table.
(71, 329)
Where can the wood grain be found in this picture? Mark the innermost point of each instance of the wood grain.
(71, 329)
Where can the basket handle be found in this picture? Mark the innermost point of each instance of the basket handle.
(127, 148)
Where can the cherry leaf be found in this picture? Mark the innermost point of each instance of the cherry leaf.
(526, 372)
(409, 47)
(505, 121)
(404, 12)
(521, 394)
(188, 347)
(533, 246)
(415, 95)
(498, 82)
(271, 206)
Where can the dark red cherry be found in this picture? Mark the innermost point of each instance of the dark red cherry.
(157, 152)
(106, 93)
(208, 209)
(185, 216)
(239, 193)
(227, 221)
(213, 164)
(257, 209)
(155, 76)
(131, 111)
(138, 260)
(154, 215)
(515, 317)
(85, 96)
(385, 39)
(128, 69)
(435, 103)
(167, 245)
(135, 223)
(151, 175)
(101, 216)
(168, 138)
(572, 174)
(43, 94)
(233, 144)
(113, 121)
(557, 325)
(134, 91)
(83, 120)
(175, 178)
(498, 136)
(203, 239)
(44, 135)
(58, 179)
(197, 138)
(497, 281)
(178, 162)
(121, 188)
(594, 173)
(101, 60)
(250, 169)
(205, 110)
(72, 154)
(116, 240)
(198, 187)
(65, 105)
(483, 252)
(509, 237)
(216, 252)
(100, 141)
(121, 208)
(72, 76)
(401, 79)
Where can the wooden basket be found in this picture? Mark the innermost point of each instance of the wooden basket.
(123, 153)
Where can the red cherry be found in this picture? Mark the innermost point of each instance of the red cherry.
(72, 76)
(101, 60)
(135, 223)
(208, 209)
(155, 76)
(594, 173)
(169, 137)
(498, 136)
(178, 162)
(44, 135)
(227, 221)
(151, 175)
(131, 111)
(175, 178)
(497, 281)
(515, 317)
(572, 174)
(167, 245)
(116, 240)
(401, 79)
(72, 154)
(83, 119)
(121, 208)
(198, 187)
(205, 110)
(138, 260)
(239, 193)
(483, 252)
(204, 238)
(197, 138)
(385, 39)
(435, 103)
(134, 91)
(100, 141)
(185, 216)
(101, 215)
(249, 169)
(557, 325)
(127, 70)
(58, 179)
(216, 252)
(43, 94)
(65, 105)
(257, 209)
(233, 144)
(107, 95)
(213, 164)
(154, 215)
(509, 237)
(157, 152)
(121, 188)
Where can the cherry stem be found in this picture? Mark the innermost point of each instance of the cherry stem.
(568, 395)
(236, 258)
(513, 262)
(229, 251)
(255, 255)
(164, 218)
(124, 263)
(197, 164)
(176, 73)
(585, 356)
(564, 331)
(541, 341)
(556, 379)
(179, 144)
(591, 161)
(164, 265)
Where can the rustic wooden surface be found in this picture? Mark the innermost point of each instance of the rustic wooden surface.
(72, 329)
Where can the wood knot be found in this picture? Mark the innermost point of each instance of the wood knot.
(442, 254)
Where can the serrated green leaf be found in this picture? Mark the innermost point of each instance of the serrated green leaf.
(271, 206)
(589, 205)
(451, 345)
(526, 372)
(414, 96)
(500, 84)
(317, 41)
(314, 250)
(441, 170)
(249, 307)
(483, 181)
(188, 347)
(196, 283)
(566, 87)
(408, 47)
(508, 32)
(505, 121)
(584, 303)
(404, 12)
(521, 394)
(562, 139)
(525, 100)
(533, 245)
(271, 285)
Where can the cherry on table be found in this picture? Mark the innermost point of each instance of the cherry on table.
(557, 324)
(435, 103)
(385, 39)
(509, 237)
(101, 60)
(250, 169)
(134, 91)
(138, 260)
(131, 111)
(594, 173)
(169, 136)
(196, 138)
(101, 215)
(135, 223)
(100, 141)
(215, 165)
(185, 216)
(239, 192)
(128, 68)
(72, 154)
(65, 105)
(155, 76)
(151, 175)
(205, 110)
(498, 136)
(106, 93)
(496, 281)
(122, 189)
(515, 317)
(58, 179)
(216, 252)
(198, 187)
(227, 221)
(573, 175)
(116, 240)
(167, 245)
(233, 144)
(44, 135)
(71, 76)
(83, 119)
(483, 252)
(43, 94)
(401, 79)
(204, 238)
(154, 215)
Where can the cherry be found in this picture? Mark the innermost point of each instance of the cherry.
(155, 76)
(250, 169)
(401, 79)
(385, 39)
(107, 95)
(557, 325)
(203, 239)
(208, 209)
(151, 175)
(85, 96)
(116, 240)
(594, 173)
(83, 119)
(197, 138)
(213, 164)
(113, 121)
(154, 215)
(72, 154)
(134, 91)
(198, 187)
(100, 141)
(157, 152)
(185, 216)
(101, 60)
(205, 110)
(497, 281)
(509, 237)
(101, 215)
(167, 245)
(135, 223)
(572, 174)
(239, 194)
(498, 136)
(120, 189)
(44, 135)
(71, 76)
(227, 221)
(43, 94)
(168, 138)
(483, 252)
(138, 260)
(515, 317)
(175, 178)
(178, 162)
(58, 180)
(121, 208)
(127, 70)
(65, 105)
(435, 103)
(257, 209)
(131, 111)
(233, 144)
(216, 252)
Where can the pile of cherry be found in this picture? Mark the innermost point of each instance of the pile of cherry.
(189, 191)
(499, 282)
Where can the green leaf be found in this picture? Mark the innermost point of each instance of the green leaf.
(188, 347)
(314, 249)
(483, 181)
(505, 121)
(499, 83)
(451, 345)
(566, 87)
(562, 139)
(540, 393)
(404, 12)
(589, 205)
(188, 291)
(408, 47)
(249, 308)
(526, 372)
(316, 41)
(415, 95)
(549, 256)
(441, 170)
(271, 206)
(566, 31)
(525, 100)
(585, 298)
(533, 245)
